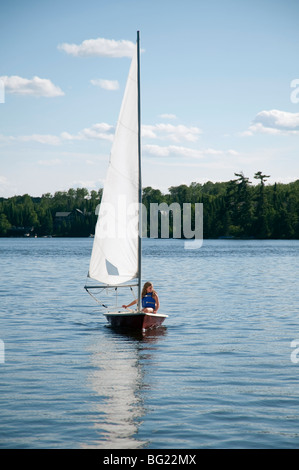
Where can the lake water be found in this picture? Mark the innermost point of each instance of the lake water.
(221, 373)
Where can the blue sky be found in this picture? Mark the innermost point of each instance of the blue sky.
(220, 90)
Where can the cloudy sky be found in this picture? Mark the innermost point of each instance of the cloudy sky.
(220, 90)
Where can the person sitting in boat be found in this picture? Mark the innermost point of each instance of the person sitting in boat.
(149, 298)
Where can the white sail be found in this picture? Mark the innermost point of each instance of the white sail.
(114, 258)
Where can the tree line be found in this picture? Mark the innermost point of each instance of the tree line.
(237, 208)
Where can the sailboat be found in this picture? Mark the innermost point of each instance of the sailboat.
(116, 254)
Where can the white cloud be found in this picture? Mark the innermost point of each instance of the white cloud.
(40, 138)
(3, 180)
(148, 131)
(274, 122)
(169, 131)
(54, 162)
(174, 150)
(97, 131)
(35, 86)
(8, 186)
(110, 85)
(89, 184)
(157, 150)
(99, 47)
(100, 131)
(5, 138)
(168, 116)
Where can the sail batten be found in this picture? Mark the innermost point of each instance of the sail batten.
(114, 258)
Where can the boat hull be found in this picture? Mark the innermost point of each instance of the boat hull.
(135, 320)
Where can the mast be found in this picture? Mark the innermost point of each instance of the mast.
(139, 172)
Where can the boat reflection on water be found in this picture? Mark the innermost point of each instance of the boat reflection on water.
(147, 336)
(118, 377)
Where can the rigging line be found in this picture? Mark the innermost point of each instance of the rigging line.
(97, 300)
(120, 123)
(133, 293)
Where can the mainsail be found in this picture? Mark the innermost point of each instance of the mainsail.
(116, 247)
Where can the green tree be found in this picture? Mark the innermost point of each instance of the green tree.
(244, 204)
(261, 226)
(5, 225)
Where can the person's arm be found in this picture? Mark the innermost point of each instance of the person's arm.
(132, 303)
(157, 302)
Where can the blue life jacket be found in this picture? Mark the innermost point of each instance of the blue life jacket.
(148, 301)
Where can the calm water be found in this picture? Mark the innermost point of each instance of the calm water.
(218, 375)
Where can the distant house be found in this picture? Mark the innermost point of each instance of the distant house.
(61, 217)
(68, 216)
